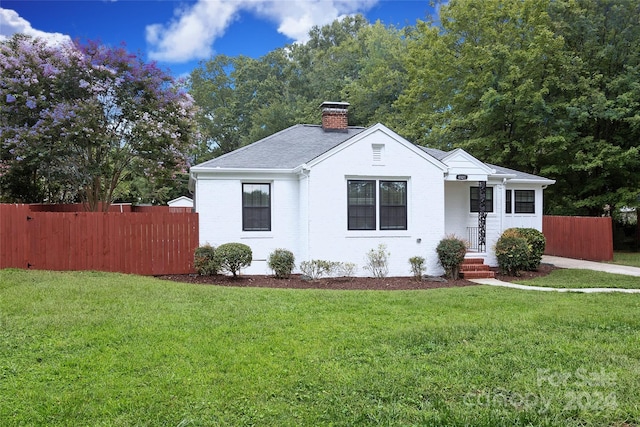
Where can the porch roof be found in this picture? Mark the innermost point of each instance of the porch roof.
(500, 171)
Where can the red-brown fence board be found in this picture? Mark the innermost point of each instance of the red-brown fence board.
(153, 243)
(13, 232)
(589, 238)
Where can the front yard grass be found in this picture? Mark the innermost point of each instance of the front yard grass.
(627, 258)
(574, 278)
(103, 349)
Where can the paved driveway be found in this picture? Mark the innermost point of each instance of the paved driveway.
(591, 265)
(572, 263)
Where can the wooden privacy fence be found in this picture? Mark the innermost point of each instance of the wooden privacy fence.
(589, 238)
(140, 243)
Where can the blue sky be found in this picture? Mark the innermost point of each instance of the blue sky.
(178, 34)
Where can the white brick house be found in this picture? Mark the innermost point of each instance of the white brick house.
(333, 192)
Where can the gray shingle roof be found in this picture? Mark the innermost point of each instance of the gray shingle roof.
(434, 152)
(518, 175)
(299, 144)
(439, 154)
(286, 149)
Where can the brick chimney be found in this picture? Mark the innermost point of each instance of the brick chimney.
(334, 116)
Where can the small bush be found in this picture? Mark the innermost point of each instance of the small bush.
(512, 252)
(347, 269)
(537, 243)
(204, 261)
(282, 262)
(417, 267)
(317, 268)
(451, 252)
(233, 256)
(377, 261)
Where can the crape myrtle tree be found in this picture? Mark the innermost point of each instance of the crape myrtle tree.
(81, 122)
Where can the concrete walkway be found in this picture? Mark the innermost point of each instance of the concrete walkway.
(591, 265)
(577, 264)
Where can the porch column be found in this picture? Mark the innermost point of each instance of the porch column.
(482, 216)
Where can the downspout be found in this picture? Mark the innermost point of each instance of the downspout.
(191, 186)
(306, 172)
(504, 201)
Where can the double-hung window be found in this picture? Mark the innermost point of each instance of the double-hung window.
(475, 199)
(256, 207)
(371, 201)
(362, 205)
(393, 205)
(525, 201)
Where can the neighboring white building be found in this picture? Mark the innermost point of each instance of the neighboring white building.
(334, 192)
(181, 202)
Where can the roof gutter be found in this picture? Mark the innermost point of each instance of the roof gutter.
(533, 181)
(218, 170)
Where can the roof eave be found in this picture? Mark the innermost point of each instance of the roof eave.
(509, 176)
(541, 181)
(222, 170)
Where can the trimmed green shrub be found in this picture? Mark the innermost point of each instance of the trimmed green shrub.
(417, 267)
(377, 261)
(512, 252)
(451, 252)
(233, 256)
(537, 243)
(282, 262)
(204, 261)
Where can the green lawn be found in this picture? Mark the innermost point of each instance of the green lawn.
(573, 278)
(104, 349)
(627, 258)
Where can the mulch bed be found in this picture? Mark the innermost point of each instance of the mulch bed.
(342, 283)
(543, 270)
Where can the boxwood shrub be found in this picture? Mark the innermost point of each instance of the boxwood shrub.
(282, 262)
(204, 261)
(512, 253)
(537, 243)
(233, 256)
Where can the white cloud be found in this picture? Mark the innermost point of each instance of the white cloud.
(191, 33)
(12, 23)
(193, 30)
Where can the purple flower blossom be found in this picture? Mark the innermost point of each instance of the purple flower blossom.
(50, 70)
(10, 98)
(31, 104)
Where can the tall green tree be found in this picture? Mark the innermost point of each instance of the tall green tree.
(604, 167)
(381, 74)
(547, 87)
(220, 115)
(490, 81)
(243, 99)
